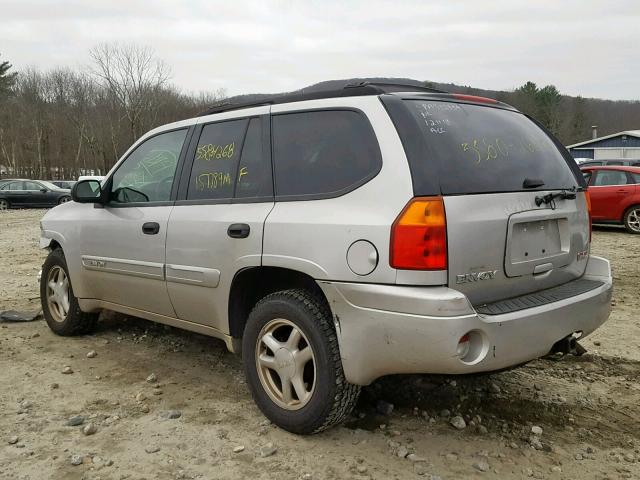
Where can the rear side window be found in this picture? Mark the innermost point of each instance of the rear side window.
(215, 166)
(479, 149)
(230, 162)
(635, 177)
(323, 153)
(605, 178)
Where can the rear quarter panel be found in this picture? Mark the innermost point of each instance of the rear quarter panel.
(313, 236)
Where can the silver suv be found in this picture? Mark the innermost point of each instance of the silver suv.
(337, 237)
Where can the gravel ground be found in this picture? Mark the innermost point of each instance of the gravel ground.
(194, 418)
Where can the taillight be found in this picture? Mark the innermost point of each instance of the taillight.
(419, 236)
(588, 199)
(473, 98)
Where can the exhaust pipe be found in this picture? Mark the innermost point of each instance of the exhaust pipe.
(568, 346)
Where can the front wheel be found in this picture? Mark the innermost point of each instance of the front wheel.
(292, 363)
(59, 305)
(632, 219)
(64, 200)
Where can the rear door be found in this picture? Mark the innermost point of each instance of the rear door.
(609, 190)
(14, 192)
(216, 226)
(496, 169)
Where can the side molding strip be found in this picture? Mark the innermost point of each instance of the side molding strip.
(204, 277)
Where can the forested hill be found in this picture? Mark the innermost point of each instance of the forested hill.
(570, 118)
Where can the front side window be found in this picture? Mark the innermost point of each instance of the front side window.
(323, 153)
(148, 172)
(605, 178)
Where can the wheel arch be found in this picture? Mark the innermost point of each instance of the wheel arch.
(635, 204)
(251, 284)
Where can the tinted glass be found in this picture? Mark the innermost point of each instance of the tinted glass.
(323, 152)
(32, 186)
(215, 167)
(254, 170)
(147, 173)
(586, 176)
(635, 177)
(12, 186)
(480, 149)
(610, 177)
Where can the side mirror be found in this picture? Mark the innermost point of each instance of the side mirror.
(44, 190)
(87, 191)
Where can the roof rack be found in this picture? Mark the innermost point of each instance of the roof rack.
(389, 87)
(350, 90)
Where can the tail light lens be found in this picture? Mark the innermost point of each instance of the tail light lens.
(419, 236)
(588, 199)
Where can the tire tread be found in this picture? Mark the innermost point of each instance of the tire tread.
(346, 395)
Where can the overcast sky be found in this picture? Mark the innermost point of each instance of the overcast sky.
(587, 48)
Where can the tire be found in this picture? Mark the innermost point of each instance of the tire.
(63, 200)
(4, 204)
(632, 219)
(59, 305)
(328, 398)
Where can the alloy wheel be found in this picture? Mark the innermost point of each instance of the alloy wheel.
(633, 220)
(286, 364)
(58, 293)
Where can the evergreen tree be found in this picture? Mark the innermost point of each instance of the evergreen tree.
(6, 79)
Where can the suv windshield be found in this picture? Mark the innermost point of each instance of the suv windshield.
(481, 149)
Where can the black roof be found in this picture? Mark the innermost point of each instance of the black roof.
(351, 90)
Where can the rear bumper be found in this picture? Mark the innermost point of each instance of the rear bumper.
(385, 330)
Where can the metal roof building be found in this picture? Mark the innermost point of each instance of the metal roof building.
(617, 146)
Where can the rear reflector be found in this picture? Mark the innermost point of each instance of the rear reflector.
(419, 236)
(473, 98)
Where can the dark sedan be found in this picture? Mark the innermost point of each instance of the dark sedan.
(31, 193)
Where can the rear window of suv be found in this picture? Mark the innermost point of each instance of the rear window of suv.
(479, 149)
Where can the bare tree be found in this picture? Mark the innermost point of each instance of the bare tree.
(134, 77)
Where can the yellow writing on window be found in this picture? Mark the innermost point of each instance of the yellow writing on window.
(215, 152)
(484, 150)
(212, 180)
(242, 173)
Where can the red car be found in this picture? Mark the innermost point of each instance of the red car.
(615, 195)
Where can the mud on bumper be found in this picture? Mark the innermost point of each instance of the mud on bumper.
(387, 329)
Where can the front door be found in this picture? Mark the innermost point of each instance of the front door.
(216, 226)
(123, 243)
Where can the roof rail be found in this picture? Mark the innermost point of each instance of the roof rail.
(350, 90)
(389, 87)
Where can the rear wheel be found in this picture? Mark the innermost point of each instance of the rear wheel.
(292, 363)
(632, 219)
(4, 204)
(59, 305)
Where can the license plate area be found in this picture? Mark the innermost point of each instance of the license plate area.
(533, 241)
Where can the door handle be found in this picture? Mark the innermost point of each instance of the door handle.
(151, 228)
(238, 230)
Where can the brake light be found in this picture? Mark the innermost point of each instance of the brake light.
(473, 98)
(588, 199)
(419, 236)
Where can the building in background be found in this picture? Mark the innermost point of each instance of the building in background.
(622, 148)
